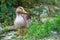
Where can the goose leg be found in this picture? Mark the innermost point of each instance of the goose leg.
(19, 35)
(26, 32)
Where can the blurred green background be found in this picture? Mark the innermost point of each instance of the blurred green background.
(45, 15)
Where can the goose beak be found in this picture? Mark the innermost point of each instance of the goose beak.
(24, 11)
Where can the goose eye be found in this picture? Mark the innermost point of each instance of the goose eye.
(20, 7)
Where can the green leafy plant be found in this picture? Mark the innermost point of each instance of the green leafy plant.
(39, 31)
(5, 30)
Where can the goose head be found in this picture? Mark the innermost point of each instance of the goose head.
(20, 10)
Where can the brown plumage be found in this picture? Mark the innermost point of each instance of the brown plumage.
(22, 20)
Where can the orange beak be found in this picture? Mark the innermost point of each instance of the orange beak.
(24, 11)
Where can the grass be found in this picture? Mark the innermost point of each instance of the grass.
(38, 31)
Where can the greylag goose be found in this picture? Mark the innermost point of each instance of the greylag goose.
(22, 20)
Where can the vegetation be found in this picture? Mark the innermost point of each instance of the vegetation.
(7, 12)
(37, 29)
(40, 31)
(44, 30)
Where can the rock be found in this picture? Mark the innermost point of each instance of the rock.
(43, 20)
(54, 33)
(1, 30)
(1, 24)
(9, 36)
(11, 28)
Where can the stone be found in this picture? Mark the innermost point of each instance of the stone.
(10, 35)
(1, 30)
